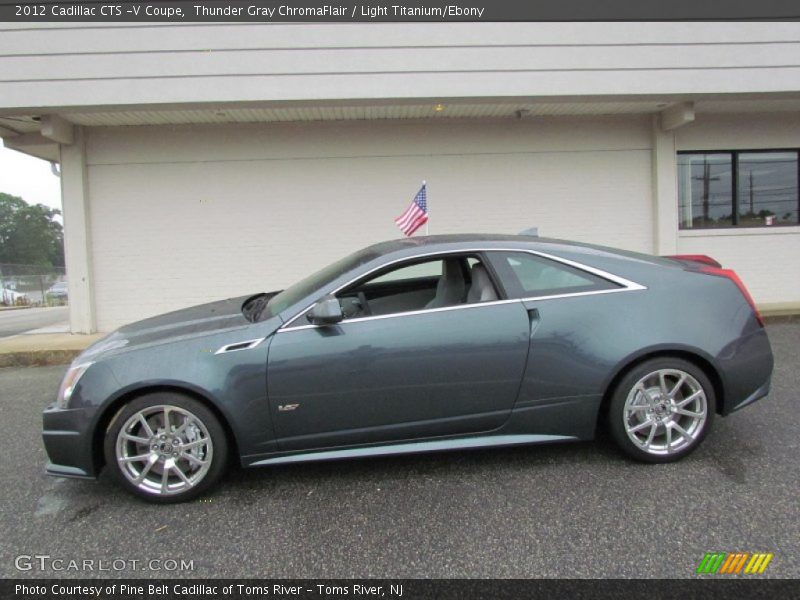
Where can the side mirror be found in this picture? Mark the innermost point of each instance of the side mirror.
(326, 311)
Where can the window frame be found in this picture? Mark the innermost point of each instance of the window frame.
(734, 155)
(626, 285)
(409, 262)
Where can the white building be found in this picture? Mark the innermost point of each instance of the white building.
(207, 161)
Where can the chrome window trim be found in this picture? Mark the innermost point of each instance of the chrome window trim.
(627, 286)
(250, 345)
(409, 312)
(626, 283)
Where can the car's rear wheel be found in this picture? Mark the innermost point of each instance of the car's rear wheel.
(165, 447)
(662, 409)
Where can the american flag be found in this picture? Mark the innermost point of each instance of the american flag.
(416, 214)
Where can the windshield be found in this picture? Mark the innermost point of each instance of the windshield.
(321, 278)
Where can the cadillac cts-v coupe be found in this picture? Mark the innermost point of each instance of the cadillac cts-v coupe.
(417, 345)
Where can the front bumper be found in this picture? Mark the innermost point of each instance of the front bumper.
(68, 443)
(67, 471)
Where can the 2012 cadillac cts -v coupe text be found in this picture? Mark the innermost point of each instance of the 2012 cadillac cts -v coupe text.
(414, 345)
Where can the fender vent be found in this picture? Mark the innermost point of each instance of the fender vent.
(246, 345)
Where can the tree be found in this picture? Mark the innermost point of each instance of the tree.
(29, 234)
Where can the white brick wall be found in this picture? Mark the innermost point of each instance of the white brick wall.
(767, 260)
(191, 214)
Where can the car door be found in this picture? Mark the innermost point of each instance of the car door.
(406, 375)
(568, 307)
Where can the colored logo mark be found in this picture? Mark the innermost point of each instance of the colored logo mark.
(734, 563)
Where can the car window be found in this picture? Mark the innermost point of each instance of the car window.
(431, 268)
(314, 282)
(413, 286)
(404, 288)
(530, 275)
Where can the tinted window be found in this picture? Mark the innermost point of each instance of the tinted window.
(527, 275)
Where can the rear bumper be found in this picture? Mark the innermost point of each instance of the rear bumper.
(746, 369)
(68, 443)
(757, 395)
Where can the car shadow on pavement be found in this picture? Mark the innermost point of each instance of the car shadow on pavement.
(250, 485)
(477, 464)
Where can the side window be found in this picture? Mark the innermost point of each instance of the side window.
(527, 275)
(404, 288)
(432, 268)
(429, 284)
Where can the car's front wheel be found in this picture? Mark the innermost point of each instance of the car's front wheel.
(661, 410)
(165, 447)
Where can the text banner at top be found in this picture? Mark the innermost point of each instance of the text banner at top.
(186, 11)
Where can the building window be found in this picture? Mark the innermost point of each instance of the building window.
(738, 189)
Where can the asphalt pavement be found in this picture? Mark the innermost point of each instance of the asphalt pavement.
(574, 510)
(13, 322)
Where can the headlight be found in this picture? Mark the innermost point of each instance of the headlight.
(69, 382)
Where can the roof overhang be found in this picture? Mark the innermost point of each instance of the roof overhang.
(39, 131)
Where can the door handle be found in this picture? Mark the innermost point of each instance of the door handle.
(534, 319)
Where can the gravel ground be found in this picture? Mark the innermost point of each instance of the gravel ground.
(575, 510)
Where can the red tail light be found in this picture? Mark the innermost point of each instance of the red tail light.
(730, 274)
(700, 258)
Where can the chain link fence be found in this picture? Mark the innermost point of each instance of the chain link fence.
(32, 285)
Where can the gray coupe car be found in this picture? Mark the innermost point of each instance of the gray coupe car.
(417, 345)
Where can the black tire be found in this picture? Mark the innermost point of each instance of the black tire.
(651, 413)
(208, 438)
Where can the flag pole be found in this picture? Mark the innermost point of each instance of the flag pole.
(425, 185)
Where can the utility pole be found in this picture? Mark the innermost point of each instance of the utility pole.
(707, 179)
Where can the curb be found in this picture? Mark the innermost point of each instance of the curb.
(38, 358)
(775, 319)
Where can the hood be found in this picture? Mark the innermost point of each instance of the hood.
(202, 319)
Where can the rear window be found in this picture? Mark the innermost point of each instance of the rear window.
(527, 275)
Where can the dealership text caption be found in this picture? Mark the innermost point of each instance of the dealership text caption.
(252, 11)
(76, 591)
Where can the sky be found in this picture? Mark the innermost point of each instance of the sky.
(30, 178)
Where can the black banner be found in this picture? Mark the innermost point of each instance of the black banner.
(405, 589)
(339, 11)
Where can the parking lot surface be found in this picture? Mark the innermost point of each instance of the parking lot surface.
(575, 510)
(13, 322)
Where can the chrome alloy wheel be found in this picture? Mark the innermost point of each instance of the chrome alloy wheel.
(665, 411)
(164, 450)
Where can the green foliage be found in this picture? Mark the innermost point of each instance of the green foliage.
(29, 234)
